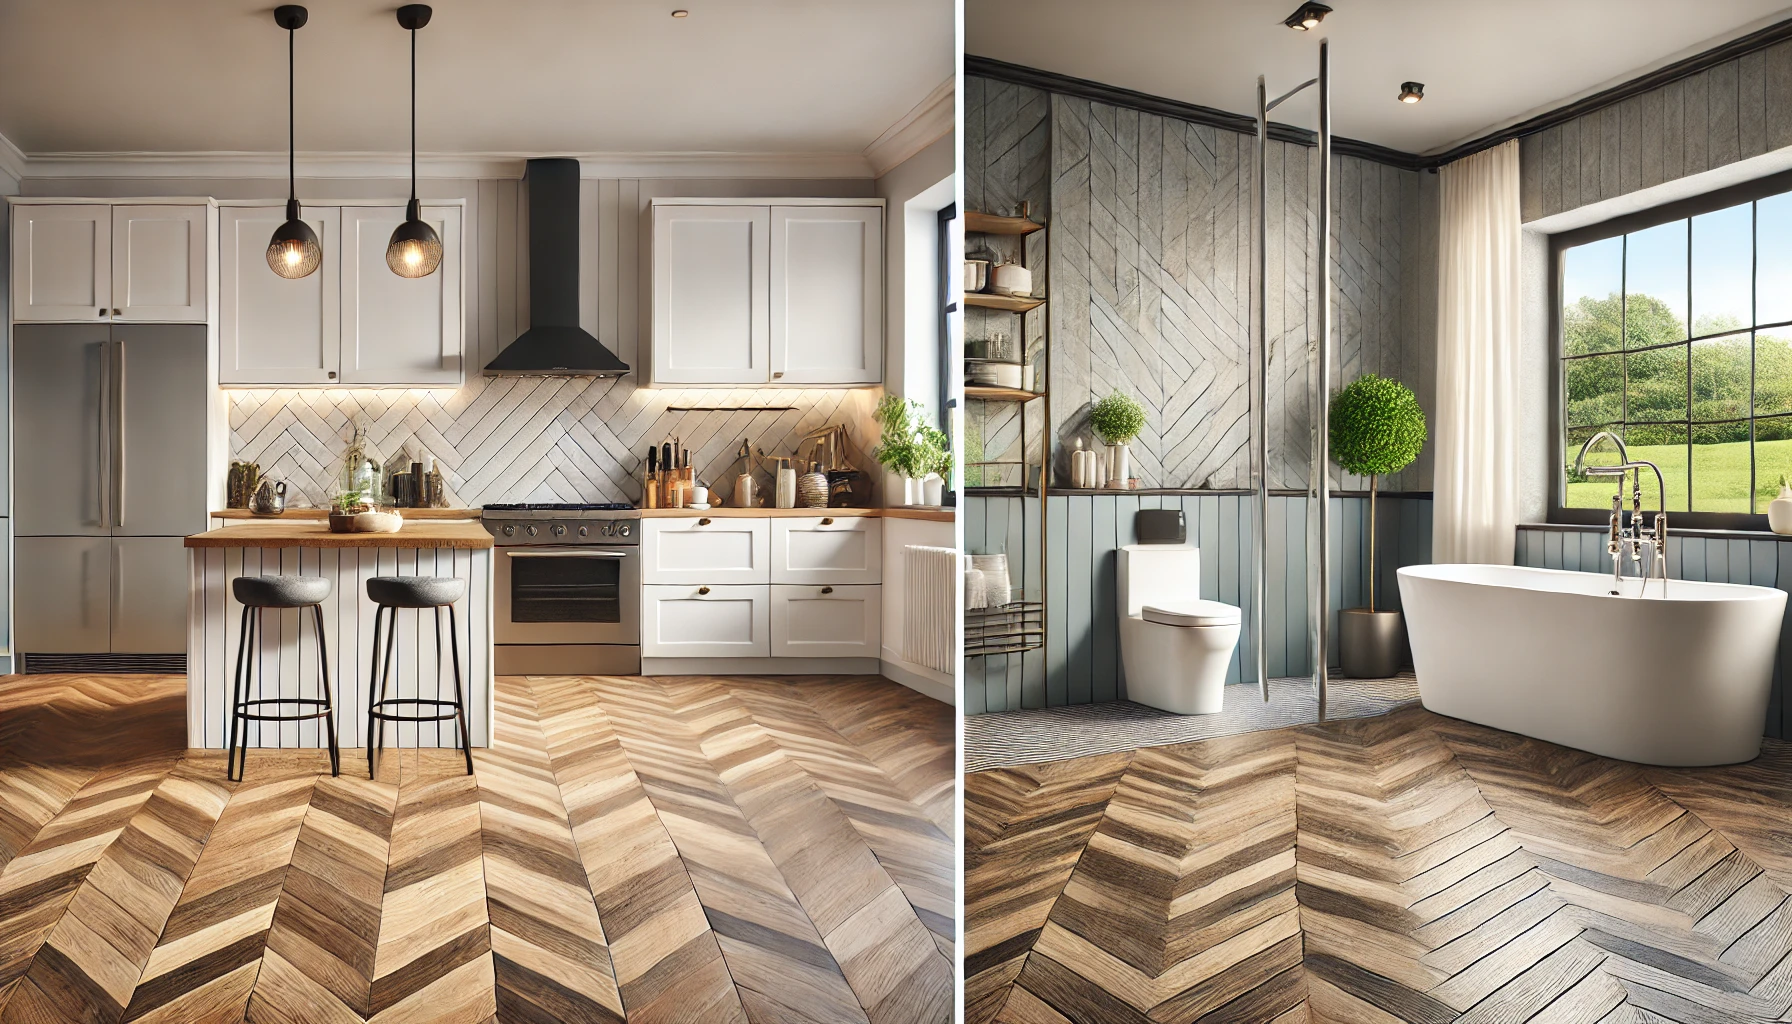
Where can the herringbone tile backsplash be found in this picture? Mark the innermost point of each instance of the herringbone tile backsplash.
(512, 439)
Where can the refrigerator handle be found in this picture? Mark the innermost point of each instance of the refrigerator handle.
(118, 458)
(103, 439)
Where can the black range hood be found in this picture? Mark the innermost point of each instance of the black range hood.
(554, 345)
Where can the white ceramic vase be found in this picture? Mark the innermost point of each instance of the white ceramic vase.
(911, 491)
(1779, 512)
(933, 490)
(1119, 466)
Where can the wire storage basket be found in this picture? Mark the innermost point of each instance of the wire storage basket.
(1009, 629)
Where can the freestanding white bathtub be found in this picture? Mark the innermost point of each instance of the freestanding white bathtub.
(1552, 654)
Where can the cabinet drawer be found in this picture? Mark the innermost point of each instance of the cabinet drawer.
(712, 551)
(826, 621)
(705, 622)
(827, 549)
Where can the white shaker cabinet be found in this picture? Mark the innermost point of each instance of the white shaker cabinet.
(272, 330)
(767, 292)
(826, 621)
(159, 263)
(711, 267)
(827, 281)
(352, 322)
(708, 549)
(61, 263)
(721, 621)
(399, 330)
(92, 262)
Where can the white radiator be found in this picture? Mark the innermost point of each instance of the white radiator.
(930, 615)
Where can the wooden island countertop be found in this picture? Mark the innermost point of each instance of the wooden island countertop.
(310, 533)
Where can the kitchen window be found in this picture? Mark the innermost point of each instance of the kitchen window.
(1674, 331)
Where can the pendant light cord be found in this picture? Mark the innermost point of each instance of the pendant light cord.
(413, 115)
(292, 184)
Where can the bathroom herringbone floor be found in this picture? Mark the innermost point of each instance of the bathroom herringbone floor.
(1406, 867)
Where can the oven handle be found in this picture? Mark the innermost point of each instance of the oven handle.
(569, 553)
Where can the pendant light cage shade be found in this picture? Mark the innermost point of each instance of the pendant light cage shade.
(415, 249)
(294, 251)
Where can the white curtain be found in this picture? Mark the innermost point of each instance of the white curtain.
(1478, 308)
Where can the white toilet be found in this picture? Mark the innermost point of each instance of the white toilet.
(1174, 646)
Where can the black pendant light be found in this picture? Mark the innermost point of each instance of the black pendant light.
(293, 252)
(415, 249)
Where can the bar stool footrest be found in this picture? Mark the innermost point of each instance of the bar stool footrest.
(375, 712)
(323, 705)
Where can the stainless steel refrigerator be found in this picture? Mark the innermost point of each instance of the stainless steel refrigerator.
(109, 436)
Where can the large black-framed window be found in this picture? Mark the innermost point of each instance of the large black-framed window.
(1673, 330)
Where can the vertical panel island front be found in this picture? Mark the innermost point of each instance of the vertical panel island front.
(284, 661)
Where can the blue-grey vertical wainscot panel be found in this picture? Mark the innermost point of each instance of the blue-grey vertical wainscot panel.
(1081, 660)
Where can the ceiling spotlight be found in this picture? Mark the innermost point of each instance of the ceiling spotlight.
(1412, 92)
(681, 14)
(1307, 17)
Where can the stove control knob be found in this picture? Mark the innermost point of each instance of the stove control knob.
(559, 530)
(623, 529)
(609, 528)
(531, 530)
(583, 530)
(510, 530)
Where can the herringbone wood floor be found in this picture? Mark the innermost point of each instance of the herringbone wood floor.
(701, 850)
(1401, 868)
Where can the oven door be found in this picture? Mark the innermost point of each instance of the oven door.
(587, 594)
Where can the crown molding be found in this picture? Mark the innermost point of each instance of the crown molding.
(429, 165)
(12, 159)
(931, 119)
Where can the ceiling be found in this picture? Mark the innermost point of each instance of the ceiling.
(516, 76)
(1483, 64)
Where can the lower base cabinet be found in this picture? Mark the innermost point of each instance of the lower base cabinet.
(826, 621)
(719, 621)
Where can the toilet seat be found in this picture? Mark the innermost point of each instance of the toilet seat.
(1192, 613)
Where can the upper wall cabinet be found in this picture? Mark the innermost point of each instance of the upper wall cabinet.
(87, 262)
(766, 293)
(352, 323)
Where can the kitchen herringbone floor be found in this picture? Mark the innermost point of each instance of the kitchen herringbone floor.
(629, 849)
(1407, 867)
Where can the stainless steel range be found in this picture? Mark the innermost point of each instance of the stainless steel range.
(568, 588)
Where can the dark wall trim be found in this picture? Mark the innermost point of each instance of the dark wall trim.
(1051, 81)
(1759, 39)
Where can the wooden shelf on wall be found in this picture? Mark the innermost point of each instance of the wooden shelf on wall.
(990, 224)
(994, 394)
(1012, 304)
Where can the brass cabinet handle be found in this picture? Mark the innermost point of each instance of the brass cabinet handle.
(828, 521)
(702, 590)
(703, 522)
(827, 590)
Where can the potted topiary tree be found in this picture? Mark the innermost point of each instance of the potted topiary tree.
(1117, 419)
(1377, 428)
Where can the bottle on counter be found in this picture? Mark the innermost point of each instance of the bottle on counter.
(786, 484)
(650, 480)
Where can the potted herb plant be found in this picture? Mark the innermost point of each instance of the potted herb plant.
(900, 450)
(1376, 428)
(1117, 419)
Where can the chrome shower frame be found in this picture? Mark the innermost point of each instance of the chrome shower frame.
(1319, 485)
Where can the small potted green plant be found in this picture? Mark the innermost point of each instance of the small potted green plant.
(937, 459)
(344, 508)
(1779, 510)
(1117, 419)
(1376, 428)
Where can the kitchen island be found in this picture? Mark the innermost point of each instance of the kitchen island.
(286, 662)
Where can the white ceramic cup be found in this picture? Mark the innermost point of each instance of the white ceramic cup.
(699, 495)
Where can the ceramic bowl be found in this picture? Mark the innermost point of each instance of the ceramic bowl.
(378, 522)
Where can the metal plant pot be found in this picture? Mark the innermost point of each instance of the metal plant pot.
(1369, 643)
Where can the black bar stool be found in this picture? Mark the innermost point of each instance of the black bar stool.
(389, 594)
(257, 593)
